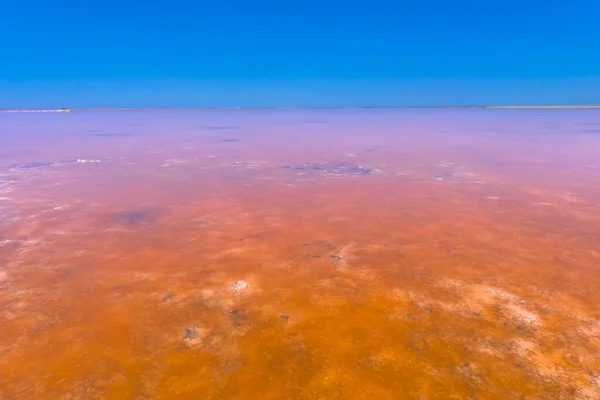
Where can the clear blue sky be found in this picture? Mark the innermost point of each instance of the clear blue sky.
(234, 53)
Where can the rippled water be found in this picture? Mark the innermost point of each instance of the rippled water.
(310, 254)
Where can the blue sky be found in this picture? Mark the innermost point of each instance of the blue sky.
(196, 53)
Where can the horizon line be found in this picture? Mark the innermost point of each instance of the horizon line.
(66, 109)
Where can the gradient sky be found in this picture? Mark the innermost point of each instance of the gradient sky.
(287, 53)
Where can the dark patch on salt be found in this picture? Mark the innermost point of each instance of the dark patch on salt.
(136, 217)
(219, 128)
(118, 134)
(332, 168)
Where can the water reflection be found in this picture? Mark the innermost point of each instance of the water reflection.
(330, 254)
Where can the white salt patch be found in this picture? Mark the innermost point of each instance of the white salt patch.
(238, 286)
(505, 295)
(522, 314)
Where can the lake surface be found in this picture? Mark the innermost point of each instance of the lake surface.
(300, 254)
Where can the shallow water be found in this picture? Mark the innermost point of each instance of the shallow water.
(310, 254)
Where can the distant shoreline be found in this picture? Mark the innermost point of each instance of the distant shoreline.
(34, 110)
